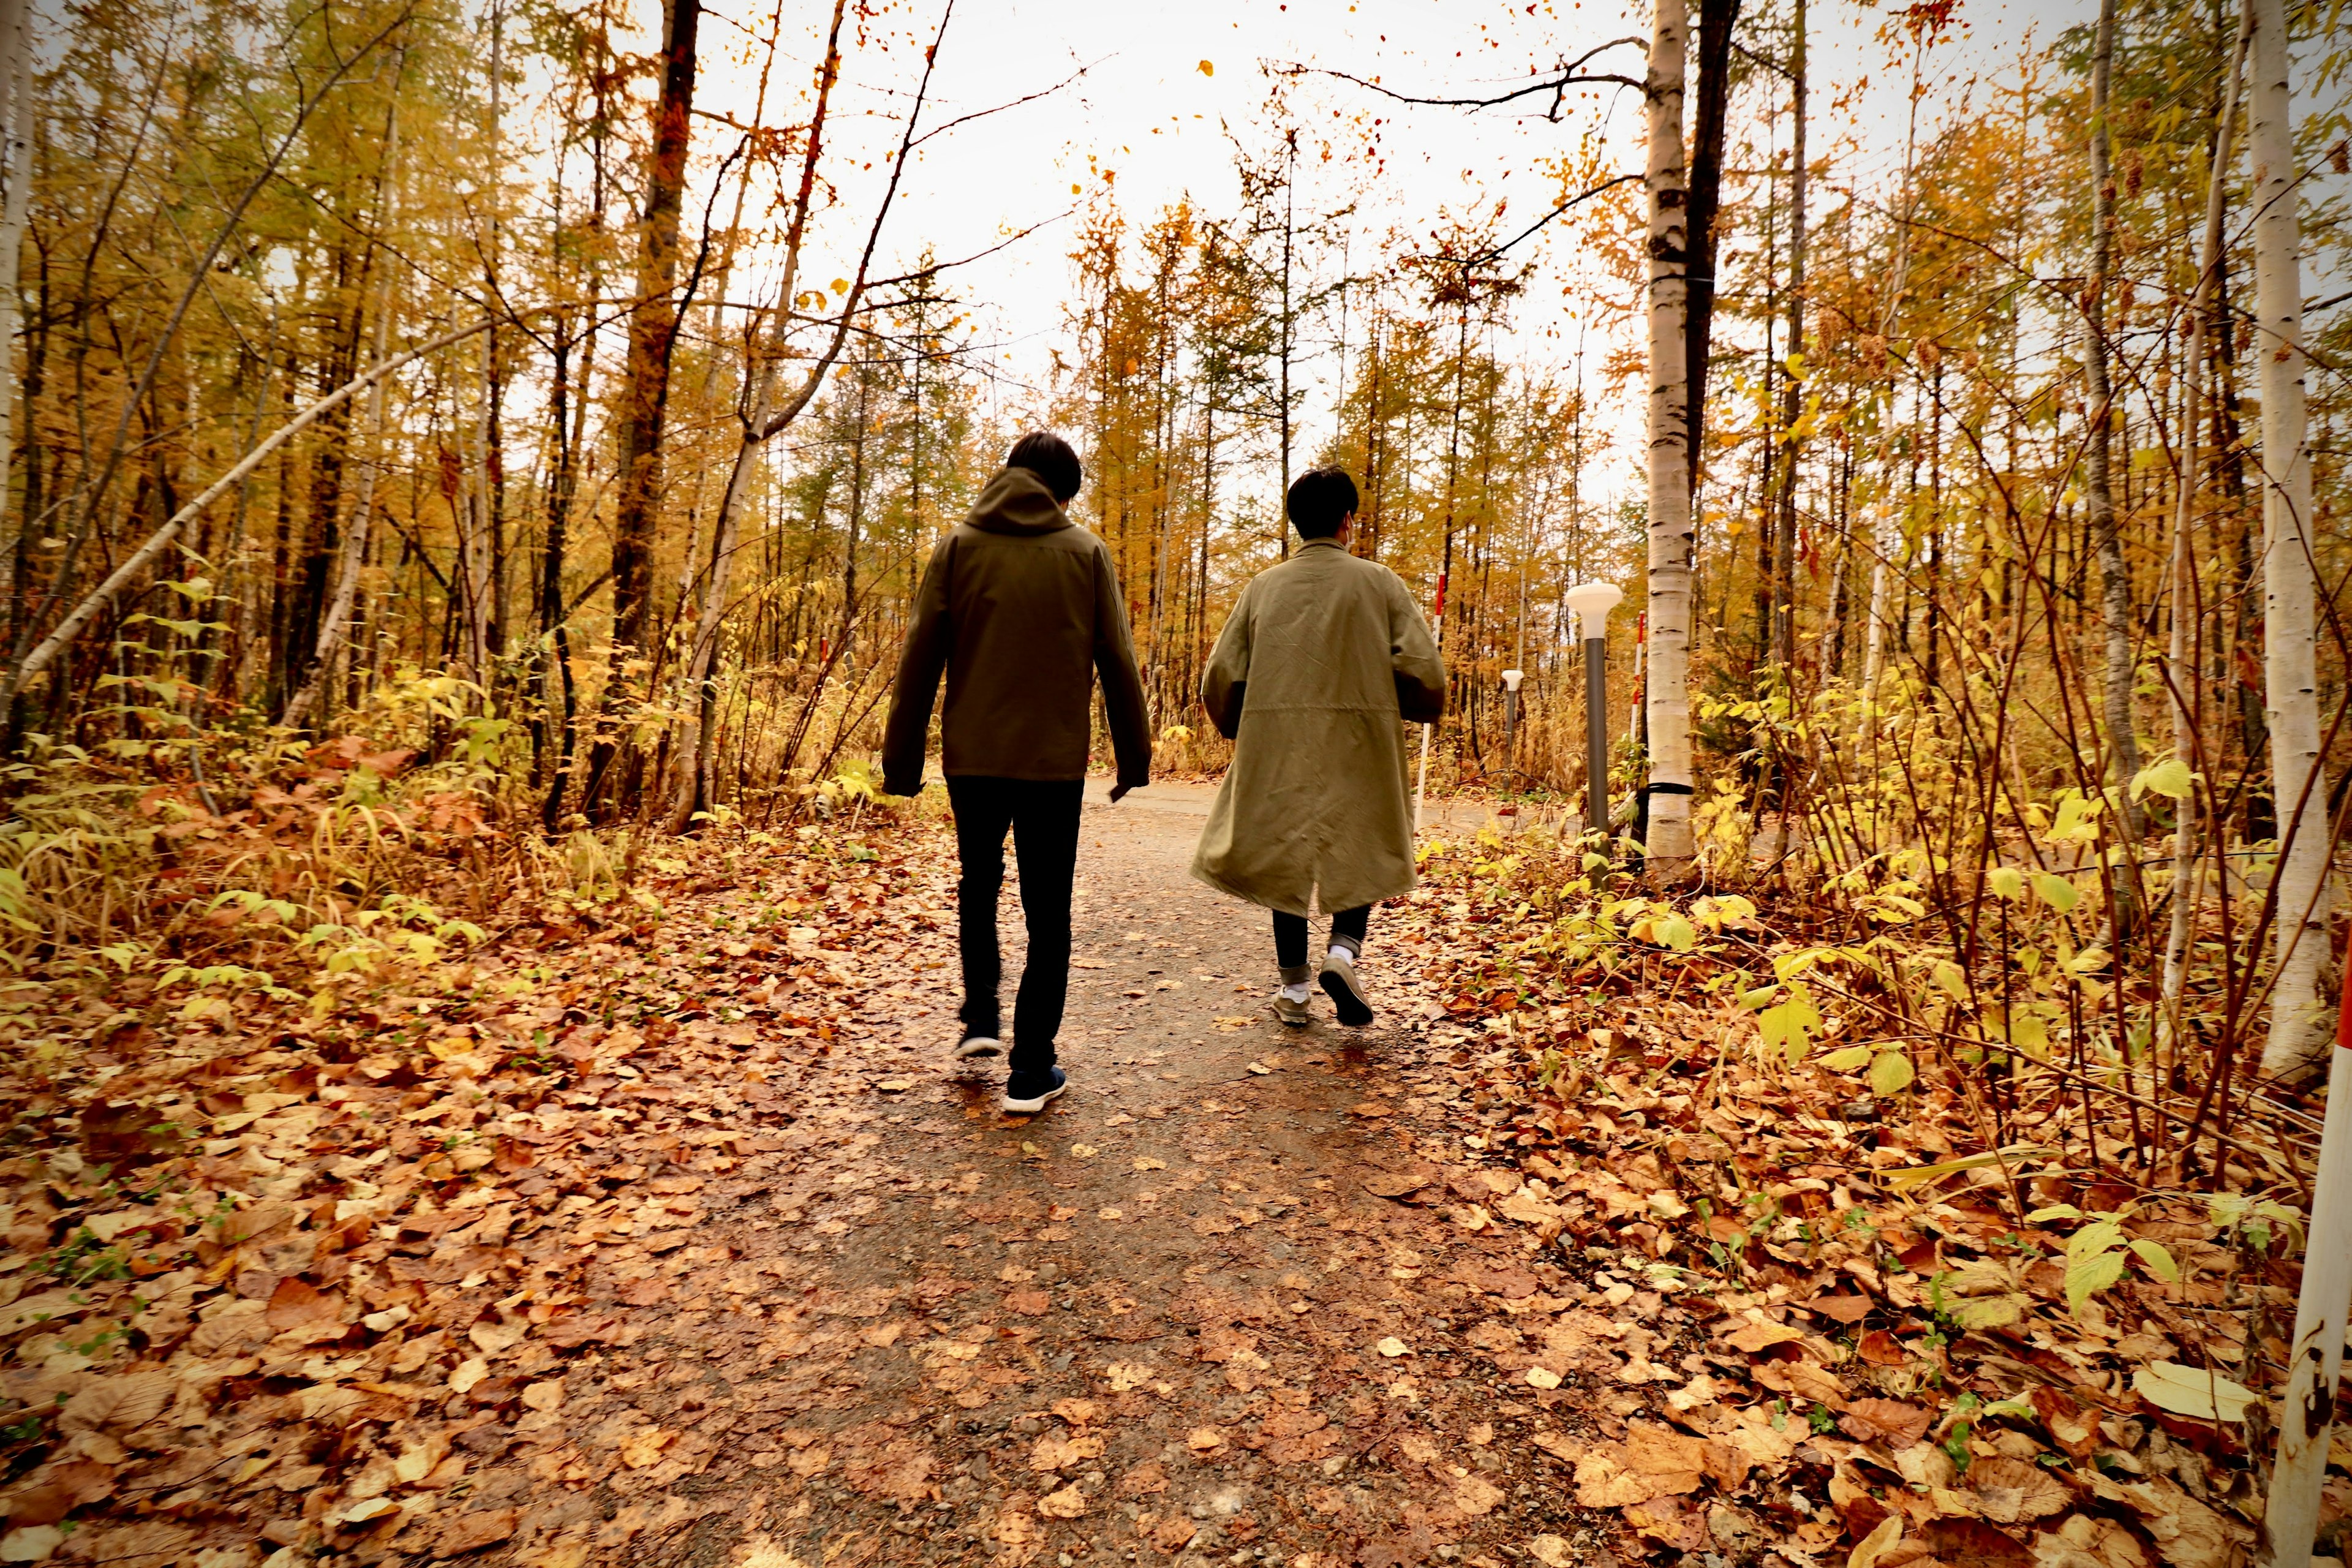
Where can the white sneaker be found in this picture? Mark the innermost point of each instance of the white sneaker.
(972, 1047)
(1338, 978)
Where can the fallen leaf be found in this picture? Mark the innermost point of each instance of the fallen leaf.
(1847, 1310)
(2011, 1491)
(644, 1448)
(33, 1543)
(1205, 1439)
(1877, 1543)
(298, 1304)
(1887, 1421)
(1393, 1185)
(1539, 1378)
(1761, 1335)
(470, 1373)
(1393, 1347)
(473, 1532)
(1552, 1552)
(2192, 1391)
(1067, 1503)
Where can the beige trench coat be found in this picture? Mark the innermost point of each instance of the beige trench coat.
(1324, 661)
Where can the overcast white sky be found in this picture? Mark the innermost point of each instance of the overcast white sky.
(1145, 118)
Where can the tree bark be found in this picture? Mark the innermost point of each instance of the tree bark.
(2098, 486)
(1784, 643)
(2291, 696)
(645, 392)
(1716, 18)
(1667, 701)
(2179, 661)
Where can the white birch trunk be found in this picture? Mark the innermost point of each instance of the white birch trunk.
(2098, 457)
(1670, 847)
(2291, 1516)
(2291, 693)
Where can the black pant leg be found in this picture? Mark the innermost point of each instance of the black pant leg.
(1352, 924)
(981, 815)
(1045, 838)
(1289, 940)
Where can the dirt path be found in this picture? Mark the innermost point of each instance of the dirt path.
(1167, 1320)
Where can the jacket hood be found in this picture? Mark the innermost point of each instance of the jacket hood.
(1017, 501)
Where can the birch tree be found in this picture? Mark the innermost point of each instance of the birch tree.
(2289, 677)
(1667, 699)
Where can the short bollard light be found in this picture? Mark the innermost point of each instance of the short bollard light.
(1592, 601)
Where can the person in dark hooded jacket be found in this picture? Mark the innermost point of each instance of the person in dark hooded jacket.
(1020, 610)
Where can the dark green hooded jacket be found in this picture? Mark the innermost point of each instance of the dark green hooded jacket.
(1020, 609)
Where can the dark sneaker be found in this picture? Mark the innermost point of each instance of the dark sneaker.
(1339, 984)
(1025, 1094)
(972, 1047)
(1295, 1014)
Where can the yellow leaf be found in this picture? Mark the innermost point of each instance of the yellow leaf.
(2192, 1391)
(1208, 68)
(1890, 1073)
(841, 285)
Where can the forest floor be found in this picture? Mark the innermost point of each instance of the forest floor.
(681, 1243)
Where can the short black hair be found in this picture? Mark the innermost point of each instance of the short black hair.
(1320, 500)
(1049, 457)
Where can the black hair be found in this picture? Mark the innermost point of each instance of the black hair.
(1049, 457)
(1319, 500)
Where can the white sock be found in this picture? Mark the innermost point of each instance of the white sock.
(1296, 993)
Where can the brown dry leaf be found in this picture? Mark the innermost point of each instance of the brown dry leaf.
(1887, 1421)
(1651, 1462)
(1846, 1310)
(473, 1532)
(1475, 1495)
(1067, 1503)
(1804, 1379)
(1877, 1543)
(1056, 1452)
(1205, 1439)
(57, 1489)
(119, 1403)
(2074, 1429)
(1880, 1348)
(1146, 1480)
(2186, 1534)
(1394, 1183)
(1759, 1334)
(2011, 1491)
(1029, 1303)
(298, 1304)
(1174, 1533)
(2083, 1541)
(644, 1448)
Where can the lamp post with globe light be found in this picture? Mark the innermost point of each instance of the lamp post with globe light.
(1592, 601)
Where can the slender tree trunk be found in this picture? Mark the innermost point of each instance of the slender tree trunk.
(1667, 700)
(1716, 20)
(336, 621)
(645, 396)
(1792, 394)
(2289, 634)
(2098, 488)
(16, 147)
(2180, 659)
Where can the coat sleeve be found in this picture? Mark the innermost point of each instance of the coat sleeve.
(1225, 681)
(1412, 654)
(906, 733)
(1122, 687)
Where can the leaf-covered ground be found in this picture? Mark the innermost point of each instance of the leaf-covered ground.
(674, 1240)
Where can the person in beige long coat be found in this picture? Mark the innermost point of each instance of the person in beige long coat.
(1324, 661)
